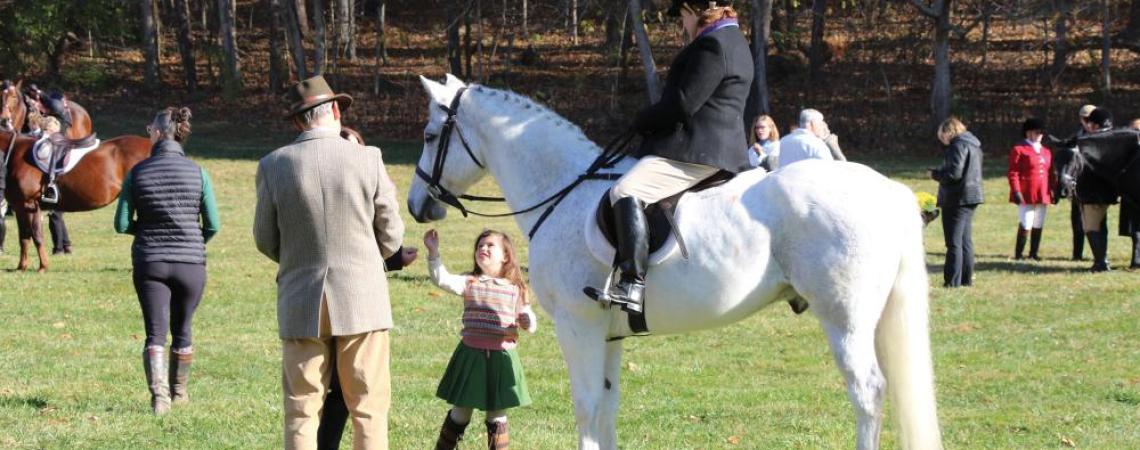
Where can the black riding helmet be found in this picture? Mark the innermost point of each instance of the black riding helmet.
(1101, 117)
(696, 5)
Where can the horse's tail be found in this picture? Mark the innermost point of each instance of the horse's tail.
(902, 342)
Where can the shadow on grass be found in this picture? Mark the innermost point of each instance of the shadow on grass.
(36, 403)
(1010, 266)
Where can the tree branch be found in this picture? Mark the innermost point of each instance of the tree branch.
(928, 11)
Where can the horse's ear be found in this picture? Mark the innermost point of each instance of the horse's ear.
(438, 92)
(454, 82)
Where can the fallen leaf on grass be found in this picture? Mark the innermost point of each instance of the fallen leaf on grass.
(434, 294)
(694, 419)
(965, 327)
(632, 367)
(1068, 442)
(59, 325)
(733, 440)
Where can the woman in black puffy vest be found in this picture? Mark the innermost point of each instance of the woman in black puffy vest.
(167, 203)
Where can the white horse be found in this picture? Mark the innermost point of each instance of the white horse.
(839, 235)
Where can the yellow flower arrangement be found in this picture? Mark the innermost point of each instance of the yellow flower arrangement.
(926, 201)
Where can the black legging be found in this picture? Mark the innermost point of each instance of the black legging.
(60, 240)
(958, 230)
(168, 294)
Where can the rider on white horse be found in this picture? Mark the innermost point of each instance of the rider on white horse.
(693, 132)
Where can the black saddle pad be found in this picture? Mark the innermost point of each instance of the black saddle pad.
(658, 214)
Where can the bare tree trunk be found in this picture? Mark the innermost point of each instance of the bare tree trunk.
(651, 84)
(351, 36)
(1106, 52)
(525, 14)
(758, 98)
(1061, 9)
(150, 44)
(381, 29)
(479, 44)
(317, 11)
(574, 21)
(293, 32)
(818, 14)
(1132, 33)
(157, 27)
(277, 72)
(303, 16)
(941, 90)
(186, 45)
(343, 30)
(231, 73)
(454, 52)
(467, 50)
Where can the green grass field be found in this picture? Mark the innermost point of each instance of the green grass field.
(1035, 355)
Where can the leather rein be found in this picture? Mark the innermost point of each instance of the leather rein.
(613, 153)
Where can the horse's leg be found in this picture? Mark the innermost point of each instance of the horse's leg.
(24, 229)
(584, 349)
(38, 239)
(854, 351)
(611, 400)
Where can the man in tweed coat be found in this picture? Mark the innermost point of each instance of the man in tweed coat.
(327, 213)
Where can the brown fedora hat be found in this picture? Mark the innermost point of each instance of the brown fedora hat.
(307, 94)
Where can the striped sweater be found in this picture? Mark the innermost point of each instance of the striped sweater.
(492, 308)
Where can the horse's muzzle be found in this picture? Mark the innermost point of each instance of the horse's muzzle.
(429, 210)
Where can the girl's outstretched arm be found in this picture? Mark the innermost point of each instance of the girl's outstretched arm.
(445, 280)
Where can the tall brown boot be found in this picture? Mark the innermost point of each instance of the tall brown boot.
(154, 364)
(450, 433)
(180, 375)
(497, 437)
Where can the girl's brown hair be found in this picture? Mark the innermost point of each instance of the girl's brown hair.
(510, 271)
(173, 123)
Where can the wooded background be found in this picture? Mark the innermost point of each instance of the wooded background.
(881, 71)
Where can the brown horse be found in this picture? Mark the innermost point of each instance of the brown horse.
(93, 183)
(13, 110)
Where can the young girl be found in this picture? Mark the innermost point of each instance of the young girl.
(484, 372)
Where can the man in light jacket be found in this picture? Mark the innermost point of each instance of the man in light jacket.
(805, 142)
(327, 213)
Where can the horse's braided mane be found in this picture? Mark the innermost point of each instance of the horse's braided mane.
(527, 103)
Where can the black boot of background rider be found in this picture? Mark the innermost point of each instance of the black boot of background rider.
(1135, 251)
(1098, 243)
(60, 240)
(1019, 245)
(1035, 243)
(632, 253)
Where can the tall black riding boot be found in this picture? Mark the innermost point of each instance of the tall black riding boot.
(1019, 246)
(632, 253)
(1098, 243)
(1034, 243)
(1135, 251)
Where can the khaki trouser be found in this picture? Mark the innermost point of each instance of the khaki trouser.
(654, 178)
(362, 364)
(1092, 215)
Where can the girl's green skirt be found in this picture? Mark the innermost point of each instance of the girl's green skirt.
(489, 380)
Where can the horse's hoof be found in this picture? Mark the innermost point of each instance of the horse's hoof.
(42, 270)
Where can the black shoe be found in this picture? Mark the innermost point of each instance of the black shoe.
(56, 251)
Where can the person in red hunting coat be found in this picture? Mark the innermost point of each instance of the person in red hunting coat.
(1031, 179)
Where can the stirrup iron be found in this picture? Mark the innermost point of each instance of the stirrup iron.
(51, 194)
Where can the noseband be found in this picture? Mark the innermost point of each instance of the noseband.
(613, 153)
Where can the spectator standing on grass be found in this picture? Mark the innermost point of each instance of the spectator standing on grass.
(1030, 179)
(332, 296)
(805, 142)
(167, 203)
(1096, 196)
(484, 372)
(959, 194)
(1130, 218)
(764, 143)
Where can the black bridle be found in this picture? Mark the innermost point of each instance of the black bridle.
(613, 153)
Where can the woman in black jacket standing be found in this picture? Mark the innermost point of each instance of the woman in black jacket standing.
(694, 131)
(167, 203)
(959, 194)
